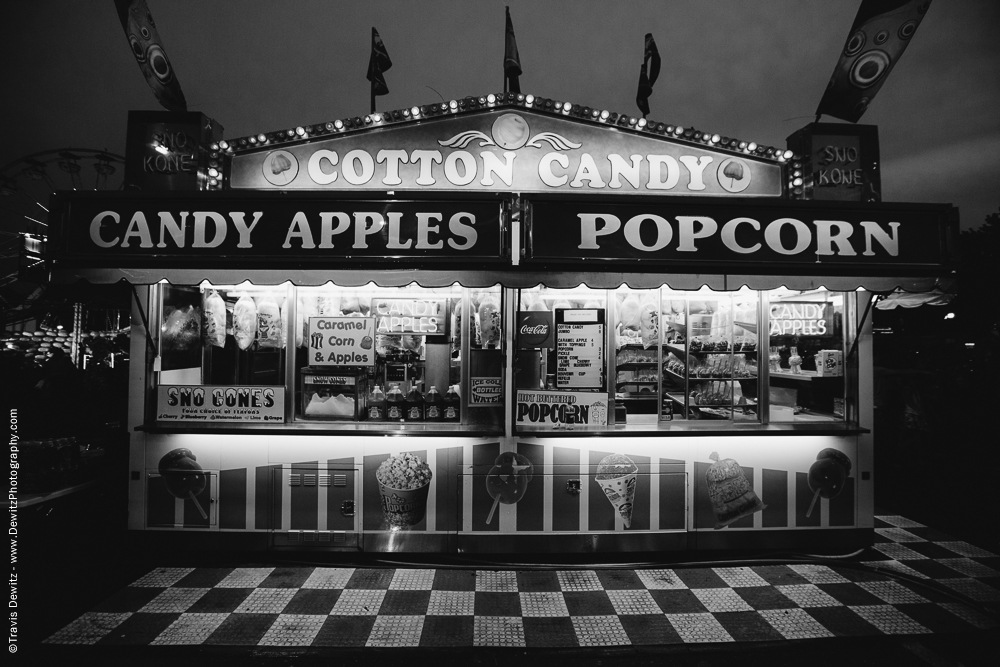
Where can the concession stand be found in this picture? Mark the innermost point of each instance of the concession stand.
(503, 324)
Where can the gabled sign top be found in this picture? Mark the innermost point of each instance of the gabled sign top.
(512, 143)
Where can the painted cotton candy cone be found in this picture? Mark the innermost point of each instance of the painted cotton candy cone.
(616, 475)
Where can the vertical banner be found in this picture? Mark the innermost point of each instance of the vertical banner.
(881, 31)
(137, 21)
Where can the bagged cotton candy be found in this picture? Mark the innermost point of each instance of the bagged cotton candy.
(350, 305)
(213, 320)
(182, 329)
(268, 322)
(307, 308)
(328, 305)
(245, 322)
(628, 313)
(649, 324)
(489, 321)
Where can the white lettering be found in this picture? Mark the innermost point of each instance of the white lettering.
(200, 229)
(545, 169)
(663, 232)
(315, 167)
(492, 165)
(587, 172)
(425, 229)
(394, 243)
(888, 240)
(772, 236)
(457, 227)
(392, 161)
(244, 230)
(95, 229)
(656, 180)
(299, 229)
(687, 234)
(468, 166)
(696, 167)
(327, 230)
(589, 231)
(137, 227)
(362, 228)
(834, 232)
(619, 168)
(170, 226)
(425, 159)
(350, 172)
(729, 235)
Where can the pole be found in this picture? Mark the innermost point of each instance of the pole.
(372, 88)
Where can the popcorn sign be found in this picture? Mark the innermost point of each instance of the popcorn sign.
(342, 341)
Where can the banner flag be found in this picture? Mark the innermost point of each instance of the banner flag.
(147, 48)
(651, 59)
(881, 31)
(511, 59)
(378, 64)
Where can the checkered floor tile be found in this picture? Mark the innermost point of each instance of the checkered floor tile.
(913, 581)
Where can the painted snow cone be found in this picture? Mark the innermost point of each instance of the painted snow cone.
(403, 482)
(616, 474)
(730, 492)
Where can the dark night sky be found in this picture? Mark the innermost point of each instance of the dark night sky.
(748, 69)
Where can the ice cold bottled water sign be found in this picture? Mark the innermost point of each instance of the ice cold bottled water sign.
(579, 348)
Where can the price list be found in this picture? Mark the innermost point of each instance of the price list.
(579, 350)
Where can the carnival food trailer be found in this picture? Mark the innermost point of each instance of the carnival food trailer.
(503, 324)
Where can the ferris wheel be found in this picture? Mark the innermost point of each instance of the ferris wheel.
(26, 184)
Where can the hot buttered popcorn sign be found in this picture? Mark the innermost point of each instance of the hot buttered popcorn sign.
(342, 341)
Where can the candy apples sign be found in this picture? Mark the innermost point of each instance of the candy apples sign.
(499, 151)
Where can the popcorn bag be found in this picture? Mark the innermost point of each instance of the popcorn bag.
(403, 483)
(730, 492)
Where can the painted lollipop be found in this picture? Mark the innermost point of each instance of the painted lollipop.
(508, 480)
(828, 475)
(183, 476)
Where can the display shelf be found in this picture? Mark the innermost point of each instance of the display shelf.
(804, 376)
(638, 364)
(676, 399)
(648, 396)
(674, 375)
(678, 350)
(621, 382)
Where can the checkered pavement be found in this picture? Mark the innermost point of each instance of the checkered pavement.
(914, 580)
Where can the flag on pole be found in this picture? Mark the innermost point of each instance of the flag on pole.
(378, 64)
(650, 59)
(142, 36)
(511, 59)
(881, 31)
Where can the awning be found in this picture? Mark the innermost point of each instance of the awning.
(899, 298)
(511, 278)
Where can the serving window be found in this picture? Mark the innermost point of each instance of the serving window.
(684, 356)
(375, 355)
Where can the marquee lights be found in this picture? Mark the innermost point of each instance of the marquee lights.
(543, 105)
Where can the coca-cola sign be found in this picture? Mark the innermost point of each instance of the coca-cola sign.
(534, 329)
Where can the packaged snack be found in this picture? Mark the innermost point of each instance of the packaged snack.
(245, 322)
(213, 327)
(269, 332)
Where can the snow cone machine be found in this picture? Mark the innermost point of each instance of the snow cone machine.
(502, 324)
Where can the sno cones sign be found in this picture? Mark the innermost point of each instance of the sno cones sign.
(616, 475)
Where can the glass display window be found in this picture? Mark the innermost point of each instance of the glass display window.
(379, 354)
(221, 352)
(806, 355)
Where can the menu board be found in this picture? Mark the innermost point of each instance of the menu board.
(580, 348)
